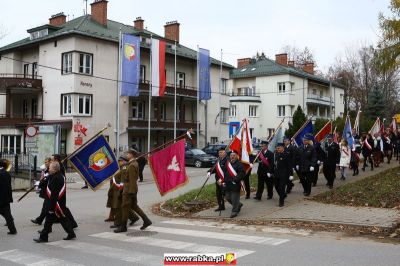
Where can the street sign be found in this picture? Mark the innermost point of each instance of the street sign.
(30, 142)
(31, 131)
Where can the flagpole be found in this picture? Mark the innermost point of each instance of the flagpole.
(219, 96)
(197, 101)
(150, 91)
(118, 94)
(175, 94)
(323, 127)
(302, 127)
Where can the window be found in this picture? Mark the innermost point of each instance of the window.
(342, 98)
(26, 70)
(180, 79)
(11, 144)
(67, 104)
(85, 104)
(138, 143)
(34, 70)
(39, 34)
(34, 108)
(142, 73)
(163, 111)
(314, 91)
(178, 112)
(25, 110)
(232, 110)
(281, 87)
(281, 110)
(85, 64)
(252, 111)
(224, 83)
(270, 132)
(250, 91)
(224, 115)
(251, 132)
(214, 140)
(66, 63)
(138, 109)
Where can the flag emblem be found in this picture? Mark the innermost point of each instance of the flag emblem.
(174, 166)
(100, 159)
(129, 51)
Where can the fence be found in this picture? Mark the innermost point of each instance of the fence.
(21, 163)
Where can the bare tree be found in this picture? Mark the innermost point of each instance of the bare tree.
(300, 57)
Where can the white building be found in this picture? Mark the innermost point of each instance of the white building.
(65, 73)
(267, 91)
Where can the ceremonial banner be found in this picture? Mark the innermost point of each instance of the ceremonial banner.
(347, 133)
(327, 129)
(158, 81)
(168, 167)
(95, 162)
(376, 128)
(130, 65)
(204, 74)
(393, 125)
(278, 137)
(307, 128)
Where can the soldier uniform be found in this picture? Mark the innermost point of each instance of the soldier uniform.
(332, 159)
(234, 173)
(6, 197)
(219, 171)
(265, 172)
(291, 150)
(283, 172)
(320, 158)
(305, 163)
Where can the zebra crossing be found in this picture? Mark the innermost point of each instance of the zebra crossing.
(166, 237)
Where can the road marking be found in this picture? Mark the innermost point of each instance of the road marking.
(110, 252)
(224, 226)
(31, 259)
(215, 235)
(172, 244)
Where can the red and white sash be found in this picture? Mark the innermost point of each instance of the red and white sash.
(232, 172)
(117, 185)
(58, 211)
(220, 172)
(263, 159)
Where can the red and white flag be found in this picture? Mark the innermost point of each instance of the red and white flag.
(241, 144)
(357, 123)
(158, 80)
(376, 128)
(168, 167)
(327, 129)
(393, 125)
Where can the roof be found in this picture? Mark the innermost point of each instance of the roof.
(268, 67)
(86, 26)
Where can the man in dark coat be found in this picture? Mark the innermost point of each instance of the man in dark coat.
(291, 150)
(320, 158)
(331, 161)
(219, 170)
(265, 171)
(56, 193)
(6, 197)
(42, 192)
(305, 163)
(283, 172)
(234, 174)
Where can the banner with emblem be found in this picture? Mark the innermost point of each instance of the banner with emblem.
(168, 167)
(95, 162)
(130, 65)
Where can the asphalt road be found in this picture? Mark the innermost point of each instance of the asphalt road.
(96, 244)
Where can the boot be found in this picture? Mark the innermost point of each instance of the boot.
(146, 223)
(11, 227)
(133, 221)
(121, 229)
(281, 202)
(110, 218)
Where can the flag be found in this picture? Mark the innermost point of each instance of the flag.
(335, 136)
(376, 128)
(241, 144)
(327, 129)
(95, 162)
(278, 137)
(204, 74)
(307, 128)
(393, 125)
(357, 123)
(158, 81)
(168, 167)
(130, 65)
(347, 133)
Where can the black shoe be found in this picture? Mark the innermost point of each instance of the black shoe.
(84, 187)
(257, 198)
(75, 225)
(40, 231)
(133, 221)
(114, 226)
(233, 215)
(70, 237)
(39, 240)
(307, 194)
(12, 232)
(269, 197)
(146, 224)
(281, 204)
(354, 173)
(314, 184)
(35, 221)
(121, 229)
(240, 206)
(220, 209)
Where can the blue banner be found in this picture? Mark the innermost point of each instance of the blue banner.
(130, 65)
(347, 133)
(204, 75)
(95, 162)
(308, 129)
(278, 138)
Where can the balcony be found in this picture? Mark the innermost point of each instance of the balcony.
(142, 123)
(12, 120)
(244, 97)
(318, 99)
(20, 83)
(187, 91)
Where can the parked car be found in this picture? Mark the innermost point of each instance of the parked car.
(256, 150)
(199, 158)
(212, 149)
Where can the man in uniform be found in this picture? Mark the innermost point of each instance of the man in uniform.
(129, 195)
(291, 150)
(219, 170)
(305, 163)
(283, 172)
(265, 171)
(331, 161)
(234, 173)
(6, 196)
(320, 158)
(56, 192)
(42, 192)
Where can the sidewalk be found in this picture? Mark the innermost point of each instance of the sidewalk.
(300, 208)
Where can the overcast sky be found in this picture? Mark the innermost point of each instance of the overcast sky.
(240, 28)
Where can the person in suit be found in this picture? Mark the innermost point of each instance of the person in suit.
(265, 171)
(6, 196)
(44, 179)
(219, 170)
(331, 161)
(320, 158)
(56, 193)
(367, 143)
(142, 161)
(291, 150)
(234, 174)
(305, 163)
(283, 172)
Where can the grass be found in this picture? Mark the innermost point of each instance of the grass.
(381, 190)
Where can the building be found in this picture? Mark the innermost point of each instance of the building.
(267, 91)
(63, 77)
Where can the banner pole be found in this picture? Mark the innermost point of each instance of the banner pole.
(197, 101)
(150, 92)
(302, 127)
(119, 75)
(323, 127)
(175, 93)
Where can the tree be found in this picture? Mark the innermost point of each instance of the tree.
(259, 56)
(300, 57)
(298, 120)
(376, 106)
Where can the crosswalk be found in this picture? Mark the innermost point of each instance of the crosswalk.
(170, 236)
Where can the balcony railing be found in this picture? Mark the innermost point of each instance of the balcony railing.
(11, 120)
(20, 80)
(142, 123)
(318, 97)
(185, 91)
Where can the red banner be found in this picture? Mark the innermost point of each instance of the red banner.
(327, 129)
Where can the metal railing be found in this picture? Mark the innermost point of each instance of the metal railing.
(21, 162)
(318, 97)
(20, 76)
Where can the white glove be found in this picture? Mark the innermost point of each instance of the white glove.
(291, 178)
(208, 174)
(219, 181)
(251, 165)
(319, 162)
(297, 167)
(268, 174)
(311, 168)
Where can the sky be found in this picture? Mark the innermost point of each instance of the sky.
(239, 27)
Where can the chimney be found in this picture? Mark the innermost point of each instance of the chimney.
(309, 67)
(99, 11)
(290, 63)
(57, 19)
(139, 24)
(171, 30)
(243, 62)
(281, 59)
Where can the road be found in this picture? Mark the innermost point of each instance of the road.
(96, 244)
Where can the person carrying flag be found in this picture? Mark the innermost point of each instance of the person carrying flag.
(6, 196)
(265, 171)
(305, 163)
(283, 171)
(291, 150)
(219, 170)
(234, 173)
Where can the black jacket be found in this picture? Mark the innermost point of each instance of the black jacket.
(262, 168)
(283, 166)
(332, 154)
(222, 162)
(56, 183)
(291, 150)
(5, 188)
(233, 183)
(306, 158)
(43, 184)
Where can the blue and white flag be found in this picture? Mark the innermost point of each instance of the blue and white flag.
(308, 128)
(204, 74)
(278, 137)
(95, 162)
(130, 65)
(347, 134)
